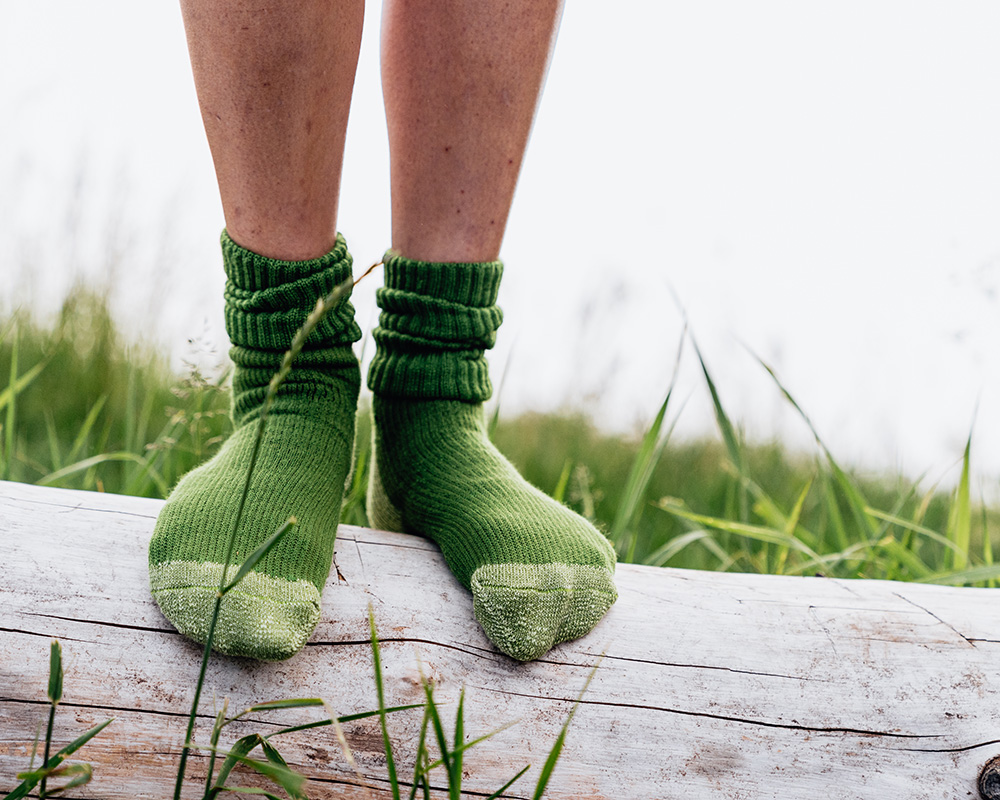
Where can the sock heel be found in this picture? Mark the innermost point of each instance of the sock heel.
(382, 514)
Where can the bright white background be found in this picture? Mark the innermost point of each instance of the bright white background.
(815, 182)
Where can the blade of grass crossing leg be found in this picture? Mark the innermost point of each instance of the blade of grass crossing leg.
(269, 544)
(959, 528)
(390, 762)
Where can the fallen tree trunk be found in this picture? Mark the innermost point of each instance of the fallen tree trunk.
(711, 685)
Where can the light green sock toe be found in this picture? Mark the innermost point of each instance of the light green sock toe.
(539, 573)
(526, 609)
(301, 467)
(263, 617)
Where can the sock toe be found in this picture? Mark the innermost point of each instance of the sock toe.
(263, 617)
(526, 609)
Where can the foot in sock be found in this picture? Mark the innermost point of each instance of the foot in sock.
(539, 573)
(301, 468)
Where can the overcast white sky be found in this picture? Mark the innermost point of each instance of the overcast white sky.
(817, 182)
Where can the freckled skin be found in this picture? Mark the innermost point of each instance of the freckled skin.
(275, 124)
(466, 75)
(461, 82)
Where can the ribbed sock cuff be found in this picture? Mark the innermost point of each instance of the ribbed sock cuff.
(437, 319)
(267, 300)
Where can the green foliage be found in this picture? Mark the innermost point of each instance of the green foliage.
(53, 767)
(81, 408)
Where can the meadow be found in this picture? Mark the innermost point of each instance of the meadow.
(82, 406)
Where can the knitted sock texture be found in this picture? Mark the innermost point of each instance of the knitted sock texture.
(539, 573)
(301, 468)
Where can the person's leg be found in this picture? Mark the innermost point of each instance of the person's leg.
(461, 82)
(274, 85)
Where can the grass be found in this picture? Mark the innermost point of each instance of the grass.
(80, 407)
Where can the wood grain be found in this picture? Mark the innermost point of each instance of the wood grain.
(711, 685)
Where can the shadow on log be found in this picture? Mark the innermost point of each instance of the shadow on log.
(712, 685)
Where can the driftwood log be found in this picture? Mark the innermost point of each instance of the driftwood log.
(712, 685)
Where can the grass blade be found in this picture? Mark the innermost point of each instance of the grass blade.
(88, 423)
(89, 463)
(242, 747)
(550, 762)
(345, 748)
(663, 554)
(274, 757)
(419, 763)
(55, 695)
(964, 577)
(220, 723)
(55, 672)
(960, 516)
(852, 495)
(455, 777)
(243, 790)
(266, 546)
(757, 532)
(346, 718)
(651, 448)
(79, 775)
(380, 689)
(32, 779)
(509, 783)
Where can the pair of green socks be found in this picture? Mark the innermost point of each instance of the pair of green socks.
(539, 574)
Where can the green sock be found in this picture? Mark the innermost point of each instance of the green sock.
(301, 468)
(539, 573)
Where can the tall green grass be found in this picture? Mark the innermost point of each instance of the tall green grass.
(82, 407)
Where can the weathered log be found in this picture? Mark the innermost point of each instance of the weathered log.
(711, 685)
